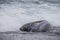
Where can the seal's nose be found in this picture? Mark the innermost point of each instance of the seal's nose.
(21, 29)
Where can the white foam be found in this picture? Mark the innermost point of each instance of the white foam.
(13, 16)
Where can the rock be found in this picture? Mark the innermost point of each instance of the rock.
(37, 26)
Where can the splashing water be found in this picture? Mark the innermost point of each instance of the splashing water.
(15, 14)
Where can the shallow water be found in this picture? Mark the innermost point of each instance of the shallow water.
(26, 35)
(13, 14)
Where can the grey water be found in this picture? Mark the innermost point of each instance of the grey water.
(15, 13)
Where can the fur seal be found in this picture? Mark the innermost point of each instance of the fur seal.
(37, 26)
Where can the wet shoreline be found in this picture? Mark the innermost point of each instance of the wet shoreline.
(28, 36)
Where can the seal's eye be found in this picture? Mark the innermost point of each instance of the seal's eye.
(25, 29)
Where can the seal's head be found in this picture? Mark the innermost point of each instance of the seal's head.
(23, 29)
(37, 26)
